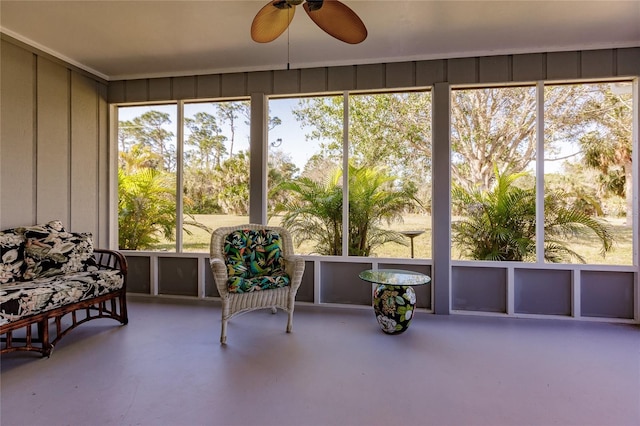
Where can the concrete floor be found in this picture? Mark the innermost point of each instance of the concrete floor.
(337, 368)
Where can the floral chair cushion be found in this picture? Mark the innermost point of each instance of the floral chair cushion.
(254, 260)
(11, 255)
(245, 285)
(50, 252)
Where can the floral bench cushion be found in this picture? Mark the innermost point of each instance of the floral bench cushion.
(12, 243)
(254, 261)
(43, 251)
(24, 298)
(50, 252)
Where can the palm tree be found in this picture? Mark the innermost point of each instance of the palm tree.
(609, 148)
(313, 210)
(499, 223)
(147, 209)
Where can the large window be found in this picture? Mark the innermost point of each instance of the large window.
(214, 166)
(390, 174)
(581, 212)
(588, 173)
(493, 138)
(540, 173)
(304, 175)
(147, 170)
(216, 169)
(385, 147)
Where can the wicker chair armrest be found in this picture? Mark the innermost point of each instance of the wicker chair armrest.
(220, 275)
(294, 267)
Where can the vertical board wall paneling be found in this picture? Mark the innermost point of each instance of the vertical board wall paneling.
(184, 87)
(431, 72)
(17, 136)
(370, 77)
(528, 67)
(519, 68)
(159, 89)
(234, 84)
(341, 78)
(208, 86)
(53, 137)
(102, 238)
(563, 65)
(84, 155)
(117, 91)
(597, 63)
(260, 82)
(286, 81)
(462, 71)
(401, 74)
(495, 69)
(136, 90)
(628, 61)
(313, 80)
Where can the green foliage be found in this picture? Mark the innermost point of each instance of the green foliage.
(491, 126)
(146, 208)
(147, 203)
(231, 182)
(148, 134)
(599, 119)
(206, 141)
(391, 130)
(313, 210)
(500, 223)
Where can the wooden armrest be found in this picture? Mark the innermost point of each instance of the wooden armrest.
(112, 259)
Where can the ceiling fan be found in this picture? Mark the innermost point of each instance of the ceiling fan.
(332, 16)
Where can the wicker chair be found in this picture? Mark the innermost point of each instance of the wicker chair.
(254, 267)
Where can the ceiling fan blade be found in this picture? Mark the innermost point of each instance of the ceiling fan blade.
(337, 20)
(271, 21)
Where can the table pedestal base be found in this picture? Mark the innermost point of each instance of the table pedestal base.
(394, 306)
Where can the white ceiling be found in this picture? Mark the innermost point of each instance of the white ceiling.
(135, 38)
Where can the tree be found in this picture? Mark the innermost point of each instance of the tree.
(232, 184)
(228, 112)
(281, 169)
(391, 130)
(205, 136)
(375, 199)
(313, 210)
(500, 223)
(607, 148)
(148, 130)
(146, 208)
(491, 127)
(497, 127)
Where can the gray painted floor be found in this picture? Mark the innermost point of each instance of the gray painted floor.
(337, 368)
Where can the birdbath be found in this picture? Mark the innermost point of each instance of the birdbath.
(411, 235)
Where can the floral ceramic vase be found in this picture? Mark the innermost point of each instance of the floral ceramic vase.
(393, 306)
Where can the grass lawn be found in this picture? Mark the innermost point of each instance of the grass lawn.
(588, 247)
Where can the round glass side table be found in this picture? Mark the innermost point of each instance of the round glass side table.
(394, 299)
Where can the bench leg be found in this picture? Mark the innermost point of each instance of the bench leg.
(43, 332)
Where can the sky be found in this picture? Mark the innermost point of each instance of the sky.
(290, 133)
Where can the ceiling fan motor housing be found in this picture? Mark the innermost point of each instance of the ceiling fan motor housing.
(288, 4)
(282, 4)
